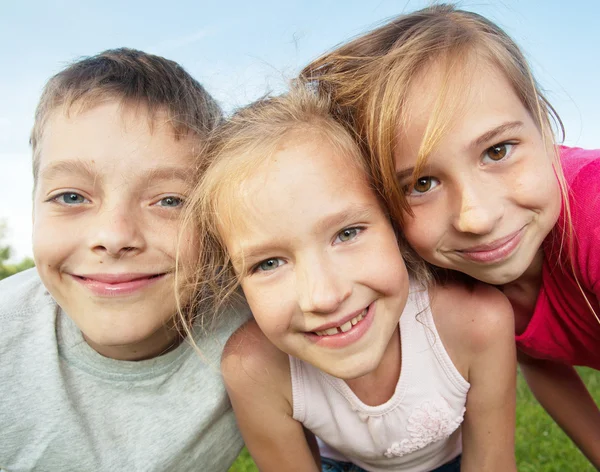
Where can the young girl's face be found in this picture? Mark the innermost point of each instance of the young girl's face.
(487, 195)
(317, 257)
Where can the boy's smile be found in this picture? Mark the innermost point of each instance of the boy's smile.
(107, 211)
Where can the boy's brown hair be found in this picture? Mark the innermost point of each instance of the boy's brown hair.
(132, 77)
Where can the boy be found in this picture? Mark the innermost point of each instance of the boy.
(95, 374)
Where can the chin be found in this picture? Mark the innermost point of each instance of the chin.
(498, 276)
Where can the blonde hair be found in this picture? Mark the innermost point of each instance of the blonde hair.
(250, 137)
(132, 77)
(369, 79)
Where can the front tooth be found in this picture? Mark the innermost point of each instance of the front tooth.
(347, 326)
(354, 320)
(330, 331)
(320, 333)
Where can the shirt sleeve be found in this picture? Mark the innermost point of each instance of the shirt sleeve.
(585, 217)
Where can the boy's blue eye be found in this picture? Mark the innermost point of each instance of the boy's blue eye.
(170, 202)
(269, 264)
(70, 198)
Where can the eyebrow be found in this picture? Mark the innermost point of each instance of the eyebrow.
(170, 173)
(477, 142)
(82, 168)
(498, 130)
(87, 170)
(404, 174)
(352, 214)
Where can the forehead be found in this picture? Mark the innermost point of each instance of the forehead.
(456, 101)
(302, 170)
(111, 136)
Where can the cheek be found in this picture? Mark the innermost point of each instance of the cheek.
(537, 188)
(51, 243)
(385, 270)
(272, 308)
(423, 231)
(187, 248)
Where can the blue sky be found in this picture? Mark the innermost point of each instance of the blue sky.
(239, 50)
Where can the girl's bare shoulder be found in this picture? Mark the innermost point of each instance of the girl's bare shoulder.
(471, 319)
(252, 364)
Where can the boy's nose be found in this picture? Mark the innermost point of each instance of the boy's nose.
(322, 287)
(479, 210)
(116, 232)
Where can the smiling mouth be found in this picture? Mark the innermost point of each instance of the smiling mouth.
(116, 279)
(345, 327)
(114, 285)
(495, 251)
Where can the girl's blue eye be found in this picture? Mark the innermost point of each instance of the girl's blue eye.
(347, 234)
(170, 202)
(269, 264)
(498, 151)
(70, 198)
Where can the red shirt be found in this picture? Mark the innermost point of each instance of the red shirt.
(562, 327)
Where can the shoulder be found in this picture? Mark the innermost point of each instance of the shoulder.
(471, 319)
(251, 363)
(227, 320)
(579, 164)
(23, 293)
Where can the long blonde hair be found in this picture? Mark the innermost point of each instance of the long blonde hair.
(368, 80)
(248, 138)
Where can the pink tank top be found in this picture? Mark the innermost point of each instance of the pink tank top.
(416, 430)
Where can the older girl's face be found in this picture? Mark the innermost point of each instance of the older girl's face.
(487, 195)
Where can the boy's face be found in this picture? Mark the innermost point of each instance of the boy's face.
(107, 210)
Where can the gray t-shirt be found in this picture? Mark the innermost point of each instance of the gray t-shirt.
(64, 407)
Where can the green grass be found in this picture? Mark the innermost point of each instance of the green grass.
(541, 446)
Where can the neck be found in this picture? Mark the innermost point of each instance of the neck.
(532, 277)
(377, 387)
(160, 342)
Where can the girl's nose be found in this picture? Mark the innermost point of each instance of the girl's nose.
(480, 209)
(322, 287)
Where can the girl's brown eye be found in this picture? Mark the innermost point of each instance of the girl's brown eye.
(497, 152)
(423, 184)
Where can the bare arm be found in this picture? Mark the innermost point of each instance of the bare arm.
(564, 396)
(482, 347)
(257, 378)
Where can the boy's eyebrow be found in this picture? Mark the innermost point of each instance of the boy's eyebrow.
(75, 166)
(170, 173)
(491, 134)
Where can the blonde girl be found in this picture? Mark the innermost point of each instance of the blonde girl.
(348, 343)
(458, 130)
